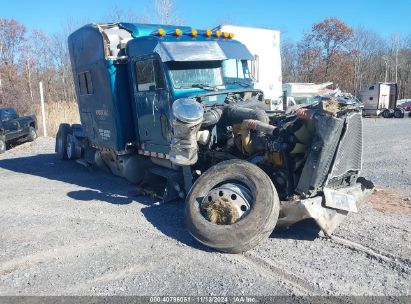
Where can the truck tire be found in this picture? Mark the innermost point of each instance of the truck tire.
(255, 224)
(386, 113)
(32, 134)
(61, 137)
(399, 113)
(70, 147)
(76, 127)
(2, 144)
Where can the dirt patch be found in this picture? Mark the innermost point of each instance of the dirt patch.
(386, 201)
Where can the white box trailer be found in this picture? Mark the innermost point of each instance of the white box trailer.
(380, 98)
(264, 44)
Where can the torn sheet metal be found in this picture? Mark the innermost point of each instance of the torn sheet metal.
(317, 208)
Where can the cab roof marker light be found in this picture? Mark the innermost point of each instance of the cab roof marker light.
(231, 35)
(226, 34)
(218, 34)
(208, 33)
(193, 32)
(178, 32)
(159, 32)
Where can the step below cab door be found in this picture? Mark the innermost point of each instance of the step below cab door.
(152, 104)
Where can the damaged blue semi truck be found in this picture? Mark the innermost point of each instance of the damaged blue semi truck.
(173, 110)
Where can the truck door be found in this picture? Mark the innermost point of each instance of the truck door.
(10, 123)
(152, 105)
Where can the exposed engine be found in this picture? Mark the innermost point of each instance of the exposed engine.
(302, 152)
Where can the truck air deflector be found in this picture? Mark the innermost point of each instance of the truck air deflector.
(200, 51)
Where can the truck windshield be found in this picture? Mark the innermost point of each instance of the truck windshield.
(236, 71)
(192, 74)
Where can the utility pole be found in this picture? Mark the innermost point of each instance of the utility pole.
(396, 62)
(43, 112)
(397, 48)
(386, 70)
(385, 58)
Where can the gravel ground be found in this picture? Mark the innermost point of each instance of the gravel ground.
(70, 230)
(387, 153)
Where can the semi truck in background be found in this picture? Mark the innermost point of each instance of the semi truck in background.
(380, 99)
(264, 45)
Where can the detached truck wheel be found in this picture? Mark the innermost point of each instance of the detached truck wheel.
(232, 207)
(61, 140)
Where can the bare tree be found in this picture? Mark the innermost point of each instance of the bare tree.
(309, 60)
(365, 46)
(395, 42)
(118, 14)
(331, 51)
(166, 12)
(12, 40)
(333, 35)
(289, 60)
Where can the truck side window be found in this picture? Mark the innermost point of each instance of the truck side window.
(233, 68)
(85, 83)
(149, 75)
(159, 75)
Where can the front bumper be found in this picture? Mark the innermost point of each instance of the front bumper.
(319, 207)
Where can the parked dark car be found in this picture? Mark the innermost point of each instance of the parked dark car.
(15, 128)
(406, 105)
